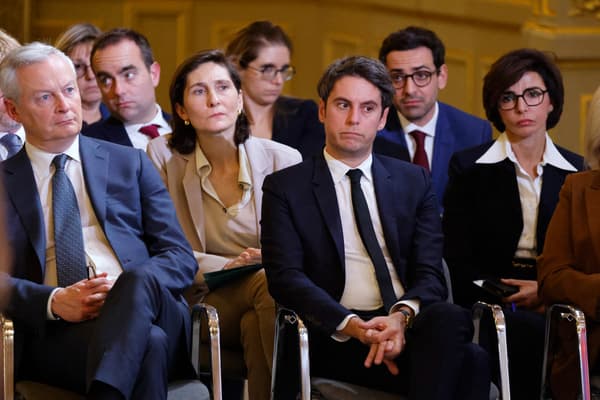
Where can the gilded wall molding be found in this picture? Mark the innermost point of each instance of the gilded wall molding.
(585, 7)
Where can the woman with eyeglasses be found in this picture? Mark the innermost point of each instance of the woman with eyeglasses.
(498, 203)
(76, 42)
(261, 51)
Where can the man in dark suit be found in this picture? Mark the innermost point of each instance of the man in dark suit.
(127, 75)
(359, 259)
(119, 330)
(414, 57)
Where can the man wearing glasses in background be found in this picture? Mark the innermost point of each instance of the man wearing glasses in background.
(127, 75)
(430, 130)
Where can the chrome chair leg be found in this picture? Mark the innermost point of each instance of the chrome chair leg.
(212, 317)
(500, 324)
(570, 314)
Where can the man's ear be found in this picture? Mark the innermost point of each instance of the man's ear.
(442, 77)
(383, 120)
(11, 109)
(322, 111)
(155, 73)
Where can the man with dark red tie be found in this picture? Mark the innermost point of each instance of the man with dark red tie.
(430, 130)
(127, 75)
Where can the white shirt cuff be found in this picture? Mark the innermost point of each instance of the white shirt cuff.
(340, 337)
(49, 313)
(413, 304)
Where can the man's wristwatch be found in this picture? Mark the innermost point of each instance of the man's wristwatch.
(407, 316)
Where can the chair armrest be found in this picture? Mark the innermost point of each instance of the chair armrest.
(499, 322)
(570, 314)
(287, 318)
(8, 339)
(210, 312)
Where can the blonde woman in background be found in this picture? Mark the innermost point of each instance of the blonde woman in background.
(76, 42)
(569, 267)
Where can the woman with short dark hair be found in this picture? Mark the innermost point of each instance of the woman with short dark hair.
(499, 201)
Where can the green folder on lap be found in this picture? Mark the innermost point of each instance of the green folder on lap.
(217, 279)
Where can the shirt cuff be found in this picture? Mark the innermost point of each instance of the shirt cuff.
(340, 337)
(49, 313)
(413, 304)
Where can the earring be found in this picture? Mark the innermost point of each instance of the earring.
(239, 112)
(186, 122)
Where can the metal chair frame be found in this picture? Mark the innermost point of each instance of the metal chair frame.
(499, 322)
(570, 314)
(8, 334)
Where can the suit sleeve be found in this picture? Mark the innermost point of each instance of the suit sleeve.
(458, 251)
(283, 259)
(560, 280)
(426, 279)
(171, 259)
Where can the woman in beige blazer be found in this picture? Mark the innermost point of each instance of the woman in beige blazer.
(214, 172)
(569, 267)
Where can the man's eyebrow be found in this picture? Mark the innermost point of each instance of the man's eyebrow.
(127, 68)
(369, 103)
(123, 70)
(418, 68)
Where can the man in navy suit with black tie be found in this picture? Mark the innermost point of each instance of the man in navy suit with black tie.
(430, 130)
(127, 76)
(99, 259)
(352, 242)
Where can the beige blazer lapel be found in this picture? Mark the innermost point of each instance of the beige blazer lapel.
(259, 168)
(193, 193)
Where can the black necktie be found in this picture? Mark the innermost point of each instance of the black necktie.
(12, 144)
(68, 237)
(367, 234)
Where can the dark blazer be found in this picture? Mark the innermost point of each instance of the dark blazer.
(568, 272)
(296, 124)
(112, 130)
(133, 208)
(455, 130)
(302, 243)
(483, 219)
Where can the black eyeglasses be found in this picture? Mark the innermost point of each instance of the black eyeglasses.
(420, 78)
(269, 72)
(532, 96)
(82, 69)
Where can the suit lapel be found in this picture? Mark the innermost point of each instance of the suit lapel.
(552, 180)
(22, 189)
(324, 191)
(592, 201)
(257, 158)
(94, 160)
(443, 146)
(116, 132)
(382, 181)
(393, 125)
(193, 193)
